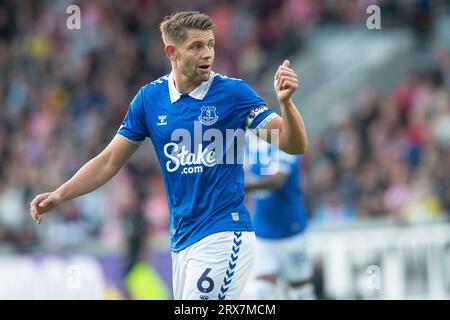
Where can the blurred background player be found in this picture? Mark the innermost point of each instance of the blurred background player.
(282, 269)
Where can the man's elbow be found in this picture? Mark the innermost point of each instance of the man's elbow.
(302, 149)
(297, 148)
(110, 164)
(278, 183)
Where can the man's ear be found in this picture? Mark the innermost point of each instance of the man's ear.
(170, 52)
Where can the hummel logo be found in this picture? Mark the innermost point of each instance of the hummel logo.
(162, 120)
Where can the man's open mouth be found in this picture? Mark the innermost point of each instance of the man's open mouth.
(204, 66)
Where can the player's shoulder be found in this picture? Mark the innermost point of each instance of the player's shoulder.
(224, 80)
(156, 85)
(239, 87)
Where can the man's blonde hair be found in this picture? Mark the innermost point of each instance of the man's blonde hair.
(174, 28)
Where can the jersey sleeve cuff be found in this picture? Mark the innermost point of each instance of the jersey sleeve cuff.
(265, 121)
(136, 142)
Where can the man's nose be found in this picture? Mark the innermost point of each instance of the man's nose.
(207, 53)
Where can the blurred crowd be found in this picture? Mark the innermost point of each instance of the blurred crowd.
(388, 159)
(64, 93)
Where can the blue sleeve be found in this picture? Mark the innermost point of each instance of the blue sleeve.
(280, 161)
(252, 110)
(287, 162)
(133, 126)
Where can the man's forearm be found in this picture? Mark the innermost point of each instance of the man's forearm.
(91, 176)
(293, 138)
(273, 182)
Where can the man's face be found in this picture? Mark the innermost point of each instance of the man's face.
(195, 55)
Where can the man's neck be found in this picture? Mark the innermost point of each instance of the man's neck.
(183, 84)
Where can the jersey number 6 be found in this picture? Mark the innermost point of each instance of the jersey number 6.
(204, 277)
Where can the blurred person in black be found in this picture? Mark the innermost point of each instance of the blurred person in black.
(135, 226)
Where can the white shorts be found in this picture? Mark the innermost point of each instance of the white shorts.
(215, 268)
(287, 258)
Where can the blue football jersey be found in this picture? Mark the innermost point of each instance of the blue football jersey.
(277, 213)
(197, 138)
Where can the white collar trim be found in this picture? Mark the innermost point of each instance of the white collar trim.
(198, 93)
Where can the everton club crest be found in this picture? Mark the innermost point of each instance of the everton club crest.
(208, 115)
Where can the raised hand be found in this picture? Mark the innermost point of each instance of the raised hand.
(285, 82)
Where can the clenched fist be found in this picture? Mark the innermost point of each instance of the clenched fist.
(285, 82)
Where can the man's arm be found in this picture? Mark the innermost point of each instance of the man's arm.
(272, 182)
(290, 126)
(91, 176)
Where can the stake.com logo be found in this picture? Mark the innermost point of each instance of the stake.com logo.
(219, 150)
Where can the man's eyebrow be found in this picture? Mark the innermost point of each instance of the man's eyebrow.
(201, 41)
(194, 42)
